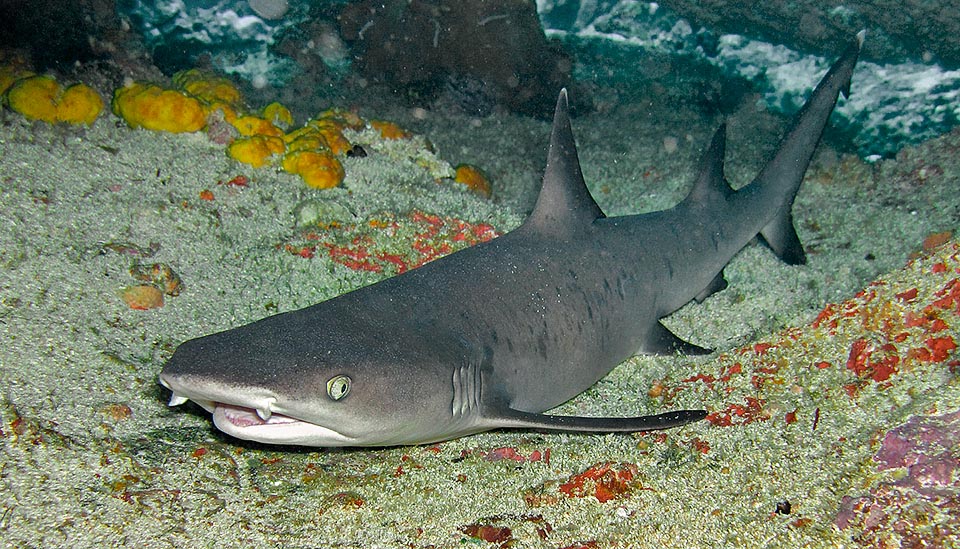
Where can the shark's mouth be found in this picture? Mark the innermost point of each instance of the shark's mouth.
(261, 424)
(241, 417)
(235, 418)
(248, 424)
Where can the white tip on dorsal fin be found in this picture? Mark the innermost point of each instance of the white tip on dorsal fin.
(564, 200)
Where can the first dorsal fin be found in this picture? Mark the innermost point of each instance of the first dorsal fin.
(564, 199)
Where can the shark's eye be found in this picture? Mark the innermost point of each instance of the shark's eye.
(338, 387)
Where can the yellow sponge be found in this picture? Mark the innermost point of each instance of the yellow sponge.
(278, 115)
(35, 97)
(154, 108)
(474, 179)
(254, 125)
(318, 169)
(42, 98)
(79, 104)
(332, 135)
(13, 68)
(208, 88)
(256, 150)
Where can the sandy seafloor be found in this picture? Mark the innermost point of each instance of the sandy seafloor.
(92, 456)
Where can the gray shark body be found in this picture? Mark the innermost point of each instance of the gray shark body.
(492, 336)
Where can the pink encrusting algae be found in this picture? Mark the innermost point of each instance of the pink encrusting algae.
(920, 506)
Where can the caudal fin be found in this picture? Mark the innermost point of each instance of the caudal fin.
(781, 177)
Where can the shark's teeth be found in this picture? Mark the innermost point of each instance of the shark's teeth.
(177, 400)
(264, 413)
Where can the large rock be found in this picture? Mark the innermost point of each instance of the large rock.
(897, 28)
(421, 43)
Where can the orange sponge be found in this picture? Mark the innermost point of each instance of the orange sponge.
(474, 179)
(35, 97)
(79, 104)
(208, 88)
(256, 150)
(389, 130)
(254, 125)
(320, 170)
(305, 139)
(154, 108)
(278, 115)
(331, 133)
(13, 68)
(343, 119)
(42, 98)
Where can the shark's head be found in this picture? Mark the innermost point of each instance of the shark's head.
(274, 383)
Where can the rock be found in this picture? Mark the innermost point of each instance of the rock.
(419, 43)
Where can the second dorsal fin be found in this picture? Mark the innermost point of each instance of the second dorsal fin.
(564, 199)
(711, 185)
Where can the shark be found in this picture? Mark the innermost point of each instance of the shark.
(495, 335)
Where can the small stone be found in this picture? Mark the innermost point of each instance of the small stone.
(670, 144)
(143, 297)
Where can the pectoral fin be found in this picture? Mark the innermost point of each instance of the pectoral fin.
(514, 419)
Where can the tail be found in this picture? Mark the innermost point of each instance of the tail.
(782, 175)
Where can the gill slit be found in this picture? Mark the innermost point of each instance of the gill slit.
(466, 390)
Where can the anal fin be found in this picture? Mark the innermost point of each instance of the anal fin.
(717, 284)
(661, 341)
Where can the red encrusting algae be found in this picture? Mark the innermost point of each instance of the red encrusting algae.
(391, 245)
(604, 481)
